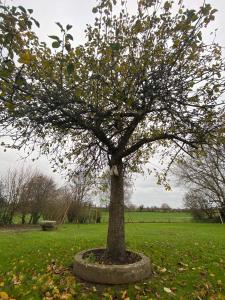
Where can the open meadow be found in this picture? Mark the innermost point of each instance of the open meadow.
(152, 217)
(188, 261)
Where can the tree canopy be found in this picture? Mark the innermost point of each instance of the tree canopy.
(138, 82)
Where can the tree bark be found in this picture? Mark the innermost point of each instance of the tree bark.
(35, 218)
(116, 235)
(23, 219)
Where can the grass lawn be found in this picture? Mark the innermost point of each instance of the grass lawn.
(188, 261)
(152, 217)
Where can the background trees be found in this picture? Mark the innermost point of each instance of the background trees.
(39, 189)
(11, 190)
(204, 176)
(140, 82)
(29, 195)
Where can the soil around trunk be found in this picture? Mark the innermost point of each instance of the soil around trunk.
(101, 256)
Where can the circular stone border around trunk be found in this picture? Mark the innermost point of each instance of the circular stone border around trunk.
(111, 274)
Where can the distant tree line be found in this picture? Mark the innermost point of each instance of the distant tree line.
(27, 196)
(129, 206)
(164, 207)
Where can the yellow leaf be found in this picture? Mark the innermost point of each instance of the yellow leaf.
(25, 57)
(219, 282)
(78, 52)
(107, 295)
(66, 297)
(167, 290)
(124, 295)
(4, 295)
(163, 270)
(220, 297)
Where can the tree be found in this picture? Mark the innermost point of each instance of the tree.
(204, 175)
(139, 82)
(23, 192)
(200, 207)
(39, 190)
(77, 193)
(165, 207)
(55, 207)
(11, 187)
(3, 203)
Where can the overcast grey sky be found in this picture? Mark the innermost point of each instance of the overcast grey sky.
(78, 14)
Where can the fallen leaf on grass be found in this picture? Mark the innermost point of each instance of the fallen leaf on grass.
(4, 295)
(182, 269)
(108, 296)
(66, 296)
(219, 282)
(124, 295)
(16, 280)
(168, 291)
(163, 270)
(182, 264)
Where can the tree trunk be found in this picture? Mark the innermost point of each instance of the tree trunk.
(35, 218)
(116, 235)
(222, 213)
(23, 218)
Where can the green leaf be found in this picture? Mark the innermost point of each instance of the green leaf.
(68, 46)
(130, 102)
(206, 9)
(7, 70)
(70, 68)
(36, 22)
(30, 10)
(68, 27)
(167, 5)
(25, 57)
(22, 9)
(3, 7)
(115, 46)
(60, 26)
(213, 11)
(9, 105)
(94, 10)
(20, 81)
(54, 37)
(69, 37)
(199, 36)
(56, 44)
(5, 73)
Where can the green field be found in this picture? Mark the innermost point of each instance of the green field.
(188, 261)
(151, 217)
